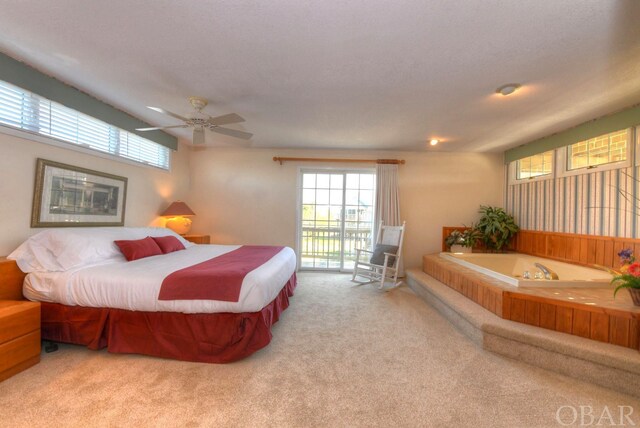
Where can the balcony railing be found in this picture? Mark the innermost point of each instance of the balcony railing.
(321, 247)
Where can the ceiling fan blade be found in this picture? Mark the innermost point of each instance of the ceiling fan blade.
(168, 113)
(226, 119)
(231, 132)
(198, 136)
(162, 127)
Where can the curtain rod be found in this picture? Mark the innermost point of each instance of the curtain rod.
(379, 161)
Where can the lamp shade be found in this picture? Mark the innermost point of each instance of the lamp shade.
(178, 208)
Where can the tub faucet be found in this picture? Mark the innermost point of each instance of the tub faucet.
(548, 273)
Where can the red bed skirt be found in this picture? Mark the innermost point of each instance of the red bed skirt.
(209, 338)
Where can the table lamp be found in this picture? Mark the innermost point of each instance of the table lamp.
(179, 223)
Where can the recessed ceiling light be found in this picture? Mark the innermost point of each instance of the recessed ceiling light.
(434, 141)
(508, 89)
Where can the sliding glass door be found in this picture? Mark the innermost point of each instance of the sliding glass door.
(335, 217)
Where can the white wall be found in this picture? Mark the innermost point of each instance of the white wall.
(242, 196)
(149, 190)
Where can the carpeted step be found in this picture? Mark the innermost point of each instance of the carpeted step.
(607, 365)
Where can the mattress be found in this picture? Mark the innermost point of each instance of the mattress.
(135, 285)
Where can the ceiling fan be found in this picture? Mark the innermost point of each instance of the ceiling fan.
(200, 121)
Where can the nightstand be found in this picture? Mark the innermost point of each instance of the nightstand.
(198, 239)
(19, 336)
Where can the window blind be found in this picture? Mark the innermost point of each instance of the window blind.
(29, 112)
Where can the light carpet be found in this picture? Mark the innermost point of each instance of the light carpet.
(342, 355)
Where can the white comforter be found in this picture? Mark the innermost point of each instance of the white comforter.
(135, 285)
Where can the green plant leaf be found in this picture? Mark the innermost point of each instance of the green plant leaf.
(620, 287)
(495, 227)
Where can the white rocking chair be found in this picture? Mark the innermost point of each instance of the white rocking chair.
(382, 264)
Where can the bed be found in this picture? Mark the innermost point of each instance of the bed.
(205, 303)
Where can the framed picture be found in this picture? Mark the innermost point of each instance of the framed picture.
(67, 195)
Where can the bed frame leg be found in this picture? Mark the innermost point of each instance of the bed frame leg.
(49, 346)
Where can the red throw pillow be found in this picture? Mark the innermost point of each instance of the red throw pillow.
(138, 248)
(168, 244)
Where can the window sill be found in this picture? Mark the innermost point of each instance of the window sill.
(515, 181)
(599, 168)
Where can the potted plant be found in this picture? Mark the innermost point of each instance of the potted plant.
(496, 227)
(462, 241)
(629, 276)
(455, 242)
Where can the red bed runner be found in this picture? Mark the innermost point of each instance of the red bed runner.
(217, 279)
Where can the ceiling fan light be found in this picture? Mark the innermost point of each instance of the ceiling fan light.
(198, 103)
(200, 121)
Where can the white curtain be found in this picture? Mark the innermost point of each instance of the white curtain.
(387, 198)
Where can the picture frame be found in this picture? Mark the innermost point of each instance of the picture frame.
(71, 196)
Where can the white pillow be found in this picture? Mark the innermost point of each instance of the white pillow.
(56, 250)
(34, 256)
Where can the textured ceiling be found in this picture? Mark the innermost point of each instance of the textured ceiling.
(358, 74)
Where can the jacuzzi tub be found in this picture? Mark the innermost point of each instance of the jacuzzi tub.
(511, 267)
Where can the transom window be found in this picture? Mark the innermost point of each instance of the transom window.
(604, 149)
(535, 166)
(23, 110)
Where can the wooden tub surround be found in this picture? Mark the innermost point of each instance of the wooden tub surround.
(591, 313)
(587, 250)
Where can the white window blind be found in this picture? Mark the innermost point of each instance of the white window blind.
(29, 112)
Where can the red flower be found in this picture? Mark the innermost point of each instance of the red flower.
(634, 269)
